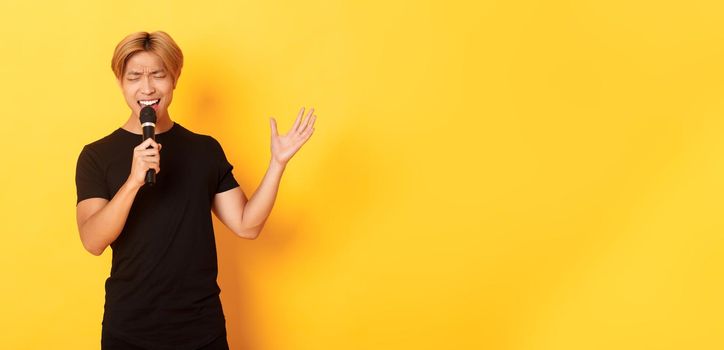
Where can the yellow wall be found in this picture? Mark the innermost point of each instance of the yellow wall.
(483, 175)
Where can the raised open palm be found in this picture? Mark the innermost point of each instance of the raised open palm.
(283, 147)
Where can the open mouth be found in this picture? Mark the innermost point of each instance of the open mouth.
(152, 103)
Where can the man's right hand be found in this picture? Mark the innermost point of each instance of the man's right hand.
(144, 158)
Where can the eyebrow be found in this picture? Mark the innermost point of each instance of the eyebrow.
(141, 73)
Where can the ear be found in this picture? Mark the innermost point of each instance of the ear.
(120, 84)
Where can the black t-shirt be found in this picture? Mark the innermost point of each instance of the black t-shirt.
(162, 291)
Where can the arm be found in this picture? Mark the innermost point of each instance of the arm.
(101, 221)
(246, 220)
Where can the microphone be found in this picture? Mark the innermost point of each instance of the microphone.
(148, 124)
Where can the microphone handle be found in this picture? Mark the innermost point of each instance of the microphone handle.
(149, 132)
(151, 177)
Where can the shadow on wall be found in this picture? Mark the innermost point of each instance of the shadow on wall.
(211, 96)
(210, 104)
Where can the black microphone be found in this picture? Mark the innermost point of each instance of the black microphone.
(148, 124)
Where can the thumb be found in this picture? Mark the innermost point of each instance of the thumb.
(273, 127)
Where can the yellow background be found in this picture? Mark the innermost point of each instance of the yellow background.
(483, 175)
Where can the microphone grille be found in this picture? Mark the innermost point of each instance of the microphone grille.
(148, 115)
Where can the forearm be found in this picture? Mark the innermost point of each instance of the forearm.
(103, 227)
(259, 206)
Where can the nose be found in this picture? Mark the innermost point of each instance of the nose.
(147, 87)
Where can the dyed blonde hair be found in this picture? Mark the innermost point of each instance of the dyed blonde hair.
(158, 42)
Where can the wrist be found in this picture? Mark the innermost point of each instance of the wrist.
(132, 185)
(277, 165)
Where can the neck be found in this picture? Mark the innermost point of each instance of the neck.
(133, 124)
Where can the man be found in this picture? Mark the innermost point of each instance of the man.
(162, 291)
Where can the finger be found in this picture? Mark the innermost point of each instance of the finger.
(148, 152)
(150, 163)
(306, 121)
(151, 166)
(299, 119)
(151, 159)
(147, 143)
(274, 127)
(310, 125)
(143, 145)
(305, 136)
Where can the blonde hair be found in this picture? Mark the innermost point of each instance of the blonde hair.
(158, 42)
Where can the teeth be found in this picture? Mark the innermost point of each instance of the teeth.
(148, 103)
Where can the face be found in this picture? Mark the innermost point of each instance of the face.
(146, 81)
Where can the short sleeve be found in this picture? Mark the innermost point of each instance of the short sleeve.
(89, 177)
(226, 177)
